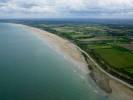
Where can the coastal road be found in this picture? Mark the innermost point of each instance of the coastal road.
(101, 69)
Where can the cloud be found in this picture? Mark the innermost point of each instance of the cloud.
(4, 0)
(64, 8)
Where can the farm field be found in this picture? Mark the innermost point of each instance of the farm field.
(110, 43)
(118, 58)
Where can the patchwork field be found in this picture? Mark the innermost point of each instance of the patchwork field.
(112, 44)
(118, 58)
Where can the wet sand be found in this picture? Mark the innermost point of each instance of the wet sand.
(117, 90)
(62, 46)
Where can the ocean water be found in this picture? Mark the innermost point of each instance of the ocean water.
(31, 70)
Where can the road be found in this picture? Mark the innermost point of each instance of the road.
(101, 69)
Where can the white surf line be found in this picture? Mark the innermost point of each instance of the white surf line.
(108, 74)
(93, 61)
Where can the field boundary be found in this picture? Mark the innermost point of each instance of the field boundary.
(93, 61)
(102, 70)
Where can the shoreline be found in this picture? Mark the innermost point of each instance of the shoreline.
(71, 52)
(62, 46)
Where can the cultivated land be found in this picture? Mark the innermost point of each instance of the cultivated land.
(117, 90)
(107, 44)
(118, 58)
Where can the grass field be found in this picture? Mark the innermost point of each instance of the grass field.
(119, 58)
(103, 41)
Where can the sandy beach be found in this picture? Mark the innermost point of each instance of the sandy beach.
(71, 52)
(62, 46)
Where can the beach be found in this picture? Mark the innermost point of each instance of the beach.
(30, 69)
(70, 51)
(62, 46)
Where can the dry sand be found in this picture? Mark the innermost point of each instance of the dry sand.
(62, 46)
(72, 53)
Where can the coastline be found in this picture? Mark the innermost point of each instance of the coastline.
(62, 46)
(70, 51)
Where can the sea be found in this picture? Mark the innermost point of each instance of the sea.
(31, 70)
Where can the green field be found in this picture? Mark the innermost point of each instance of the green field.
(102, 41)
(118, 58)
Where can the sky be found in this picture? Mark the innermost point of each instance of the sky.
(66, 8)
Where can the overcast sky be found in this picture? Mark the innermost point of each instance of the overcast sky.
(66, 8)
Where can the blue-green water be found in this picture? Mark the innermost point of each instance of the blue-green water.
(31, 70)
